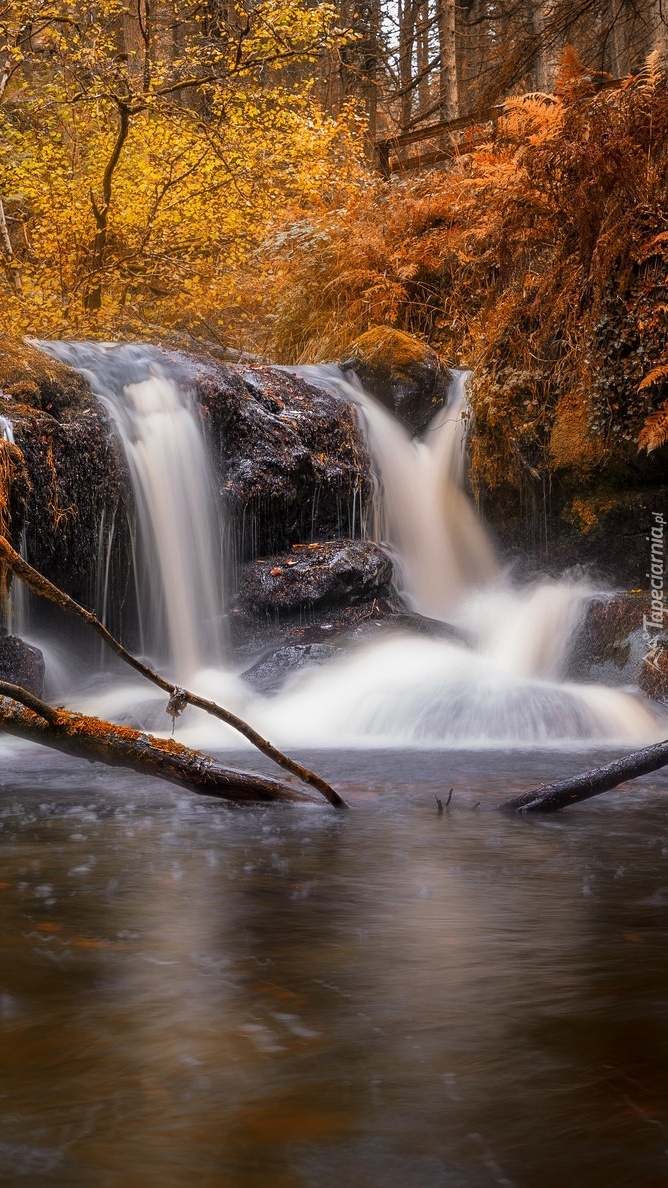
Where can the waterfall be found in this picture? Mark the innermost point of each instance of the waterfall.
(507, 684)
(422, 510)
(504, 686)
(6, 430)
(177, 556)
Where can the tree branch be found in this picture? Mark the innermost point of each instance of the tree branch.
(178, 698)
(552, 797)
(98, 741)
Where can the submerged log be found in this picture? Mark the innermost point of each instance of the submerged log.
(552, 797)
(27, 717)
(178, 697)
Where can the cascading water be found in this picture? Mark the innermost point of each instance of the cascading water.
(505, 686)
(177, 549)
(17, 616)
(442, 548)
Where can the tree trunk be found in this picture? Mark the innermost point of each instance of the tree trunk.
(406, 47)
(546, 51)
(619, 48)
(10, 267)
(552, 797)
(660, 30)
(370, 73)
(93, 294)
(27, 717)
(423, 57)
(178, 698)
(447, 82)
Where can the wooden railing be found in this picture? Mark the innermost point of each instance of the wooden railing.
(390, 146)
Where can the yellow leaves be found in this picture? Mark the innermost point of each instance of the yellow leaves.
(192, 202)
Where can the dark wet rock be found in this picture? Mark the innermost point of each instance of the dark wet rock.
(404, 374)
(78, 503)
(293, 463)
(608, 645)
(315, 603)
(21, 664)
(286, 648)
(315, 576)
(342, 625)
(68, 484)
(551, 531)
(653, 674)
(270, 671)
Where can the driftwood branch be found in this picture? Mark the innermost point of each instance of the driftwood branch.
(24, 715)
(552, 797)
(178, 698)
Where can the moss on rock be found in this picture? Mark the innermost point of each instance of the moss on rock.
(405, 374)
(31, 379)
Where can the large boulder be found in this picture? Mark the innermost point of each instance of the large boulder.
(612, 646)
(404, 374)
(314, 603)
(65, 482)
(292, 458)
(314, 576)
(21, 664)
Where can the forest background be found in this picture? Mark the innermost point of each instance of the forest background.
(207, 174)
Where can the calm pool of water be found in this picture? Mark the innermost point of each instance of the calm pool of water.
(196, 995)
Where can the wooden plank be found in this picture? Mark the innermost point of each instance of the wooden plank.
(390, 144)
(442, 128)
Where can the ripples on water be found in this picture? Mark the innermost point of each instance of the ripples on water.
(191, 994)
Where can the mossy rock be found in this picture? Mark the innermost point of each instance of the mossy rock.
(573, 447)
(30, 379)
(404, 374)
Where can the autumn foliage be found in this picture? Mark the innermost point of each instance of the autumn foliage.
(142, 157)
(538, 260)
(208, 197)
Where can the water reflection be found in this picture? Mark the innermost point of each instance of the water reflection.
(194, 995)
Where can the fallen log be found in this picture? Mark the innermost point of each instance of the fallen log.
(552, 797)
(178, 697)
(25, 716)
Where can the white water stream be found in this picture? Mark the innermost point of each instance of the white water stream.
(507, 686)
(176, 547)
(442, 547)
(503, 685)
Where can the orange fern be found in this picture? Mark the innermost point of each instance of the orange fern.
(654, 432)
(653, 376)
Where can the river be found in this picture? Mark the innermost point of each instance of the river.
(193, 994)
